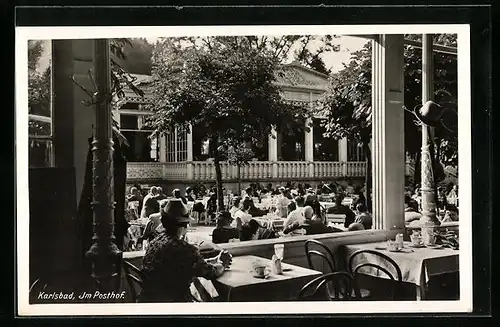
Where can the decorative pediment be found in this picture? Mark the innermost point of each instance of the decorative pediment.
(295, 79)
(297, 76)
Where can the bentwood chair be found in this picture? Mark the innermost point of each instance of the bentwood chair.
(327, 258)
(319, 289)
(390, 269)
(134, 278)
(326, 254)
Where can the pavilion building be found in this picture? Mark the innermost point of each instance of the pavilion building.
(181, 158)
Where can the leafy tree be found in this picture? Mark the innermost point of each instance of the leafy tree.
(136, 56)
(38, 89)
(223, 85)
(347, 103)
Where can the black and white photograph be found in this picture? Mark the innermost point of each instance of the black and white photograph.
(243, 169)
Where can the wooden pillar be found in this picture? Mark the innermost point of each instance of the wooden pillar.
(388, 131)
(427, 175)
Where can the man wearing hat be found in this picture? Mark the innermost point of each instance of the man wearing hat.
(170, 263)
(224, 231)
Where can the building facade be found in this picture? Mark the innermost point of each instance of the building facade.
(181, 158)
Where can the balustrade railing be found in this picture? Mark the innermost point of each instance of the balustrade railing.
(254, 170)
(144, 170)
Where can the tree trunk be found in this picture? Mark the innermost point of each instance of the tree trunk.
(218, 176)
(239, 179)
(368, 176)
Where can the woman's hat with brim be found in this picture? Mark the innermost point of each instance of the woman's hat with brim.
(175, 211)
(430, 113)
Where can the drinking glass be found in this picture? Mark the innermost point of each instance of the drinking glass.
(279, 250)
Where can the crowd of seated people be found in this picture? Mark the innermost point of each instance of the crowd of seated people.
(446, 205)
(298, 206)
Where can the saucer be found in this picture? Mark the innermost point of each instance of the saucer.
(261, 276)
(435, 246)
(416, 246)
(394, 250)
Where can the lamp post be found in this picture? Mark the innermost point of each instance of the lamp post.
(103, 253)
(433, 112)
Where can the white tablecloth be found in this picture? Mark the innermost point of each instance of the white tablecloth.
(417, 264)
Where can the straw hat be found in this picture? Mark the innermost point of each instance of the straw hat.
(175, 211)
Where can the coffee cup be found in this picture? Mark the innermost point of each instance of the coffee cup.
(259, 270)
(392, 246)
(416, 240)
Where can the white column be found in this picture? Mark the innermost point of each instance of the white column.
(273, 151)
(163, 148)
(388, 132)
(273, 145)
(190, 166)
(309, 141)
(343, 149)
(309, 146)
(343, 155)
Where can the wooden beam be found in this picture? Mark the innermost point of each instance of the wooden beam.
(435, 47)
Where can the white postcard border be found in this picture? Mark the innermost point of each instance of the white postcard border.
(21, 129)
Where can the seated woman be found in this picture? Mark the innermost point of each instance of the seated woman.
(190, 197)
(242, 216)
(235, 206)
(292, 206)
(411, 210)
(363, 217)
(153, 226)
(318, 213)
(254, 231)
(451, 214)
(170, 263)
(311, 225)
(224, 231)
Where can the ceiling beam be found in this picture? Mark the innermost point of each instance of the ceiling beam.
(416, 44)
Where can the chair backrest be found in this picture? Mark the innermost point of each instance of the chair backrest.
(342, 283)
(389, 262)
(335, 218)
(325, 249)
(134, 278)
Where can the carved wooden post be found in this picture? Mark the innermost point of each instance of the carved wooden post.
(104, 253)
(428, 219)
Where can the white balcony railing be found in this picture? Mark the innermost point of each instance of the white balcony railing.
(254, 170)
